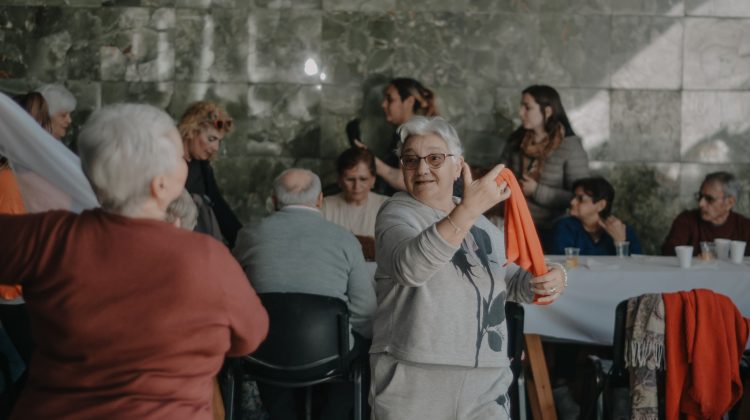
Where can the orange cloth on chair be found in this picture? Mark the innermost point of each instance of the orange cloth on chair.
(522, 245)
(704, 339)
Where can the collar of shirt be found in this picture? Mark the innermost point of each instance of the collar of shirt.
(299, 206)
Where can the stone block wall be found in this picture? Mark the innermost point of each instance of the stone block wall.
(659, 89)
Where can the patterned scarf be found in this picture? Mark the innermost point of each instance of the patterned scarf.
(644, 353)
(533, 155)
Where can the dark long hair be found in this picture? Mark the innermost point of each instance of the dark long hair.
(544, 96)
(36, 106)
(547, 96)
(424, 103)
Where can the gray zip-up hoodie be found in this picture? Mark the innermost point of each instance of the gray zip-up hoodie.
(437, 303)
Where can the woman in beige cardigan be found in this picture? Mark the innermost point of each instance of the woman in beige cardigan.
(546, 156)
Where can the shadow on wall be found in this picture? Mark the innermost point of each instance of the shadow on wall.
(645, 200)
(720, 147)
(475, 120)
(723, 151)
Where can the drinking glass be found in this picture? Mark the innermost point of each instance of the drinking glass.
(571, 257)
(622, 249)
(707, 251)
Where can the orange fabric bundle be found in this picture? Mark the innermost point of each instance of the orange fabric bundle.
(10, 203)
(522, 245)
(704, 340)
(10, 292)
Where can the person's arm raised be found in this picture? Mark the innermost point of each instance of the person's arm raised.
(393, 176)
(479, 196)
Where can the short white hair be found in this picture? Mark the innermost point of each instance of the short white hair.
(419, 126)
(58, 98)
(304, 195)
(184, 209)
(729, 183)
(123, 147)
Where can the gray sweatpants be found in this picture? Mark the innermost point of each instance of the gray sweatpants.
(407, 391)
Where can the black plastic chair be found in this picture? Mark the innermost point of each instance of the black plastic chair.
(610, 376)
(607, 375)
(742, 409)
(307, 344)
(514, 316)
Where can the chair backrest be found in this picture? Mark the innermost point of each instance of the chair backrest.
(368, 247)
(514, 316)
(308, 340)
(618, 340)
(514, 321)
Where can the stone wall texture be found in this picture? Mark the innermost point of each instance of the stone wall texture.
(658, 89)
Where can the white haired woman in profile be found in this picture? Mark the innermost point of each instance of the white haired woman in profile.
(61, 103)
(132, 317)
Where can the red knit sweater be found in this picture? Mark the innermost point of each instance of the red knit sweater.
(132, 318)
(704, 340)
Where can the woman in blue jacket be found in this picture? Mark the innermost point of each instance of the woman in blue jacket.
(591, 227)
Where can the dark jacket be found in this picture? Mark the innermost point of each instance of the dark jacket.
(201, 180)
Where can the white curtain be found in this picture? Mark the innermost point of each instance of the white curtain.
(49, 175)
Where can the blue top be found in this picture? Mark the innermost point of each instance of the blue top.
(569, 232)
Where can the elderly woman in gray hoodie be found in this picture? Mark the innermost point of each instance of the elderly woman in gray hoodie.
(440, 339)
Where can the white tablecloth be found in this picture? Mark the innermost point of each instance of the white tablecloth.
(586, 312)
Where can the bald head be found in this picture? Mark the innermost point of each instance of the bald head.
(297, 186)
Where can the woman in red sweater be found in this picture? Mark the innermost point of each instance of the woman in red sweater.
(132, 317)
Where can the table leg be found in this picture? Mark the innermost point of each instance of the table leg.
(537, 380)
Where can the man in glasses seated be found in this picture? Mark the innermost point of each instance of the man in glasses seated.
(713, 218)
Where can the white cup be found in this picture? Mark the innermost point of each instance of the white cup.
(737, 251)
(684, 254)
(722, 248)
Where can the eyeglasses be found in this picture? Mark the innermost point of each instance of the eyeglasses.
(213, 119)
(433, 160)
(391, 99)
(581, 197)
(709, 199)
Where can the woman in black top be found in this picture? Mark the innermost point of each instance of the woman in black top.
(202, 127)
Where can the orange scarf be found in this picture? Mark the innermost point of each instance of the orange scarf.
(522, 245)
(534, 155)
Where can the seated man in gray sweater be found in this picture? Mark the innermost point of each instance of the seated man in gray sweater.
(296, 250)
